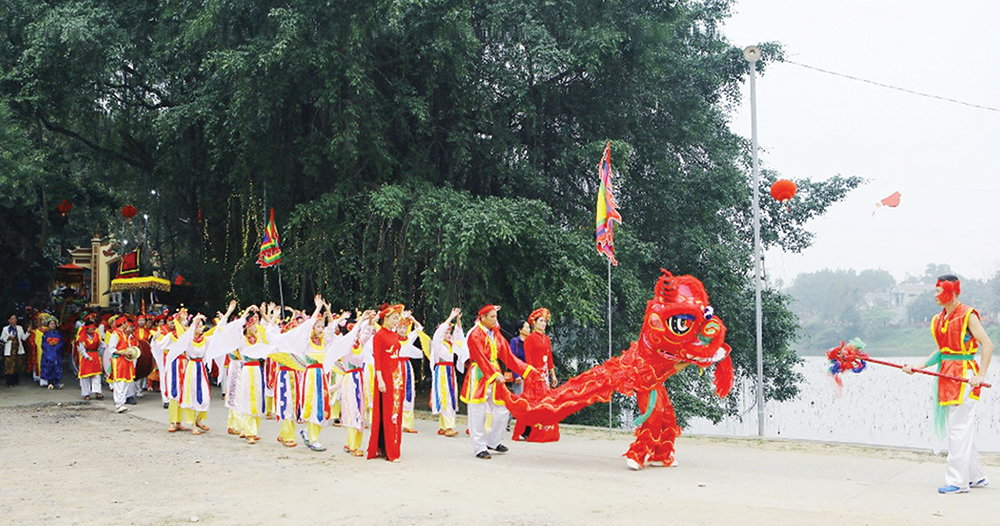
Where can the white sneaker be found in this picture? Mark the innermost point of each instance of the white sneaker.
(981, 483)
(122, 409)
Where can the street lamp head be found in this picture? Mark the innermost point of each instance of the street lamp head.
(153, 192)
(751, 54)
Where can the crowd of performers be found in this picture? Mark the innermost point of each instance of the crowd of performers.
(303, 369)
(356, 371)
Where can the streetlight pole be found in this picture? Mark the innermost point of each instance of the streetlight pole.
(752, 55)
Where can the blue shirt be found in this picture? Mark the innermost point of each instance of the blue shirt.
(517, 348)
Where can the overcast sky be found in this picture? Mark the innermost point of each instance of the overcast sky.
(943, 157)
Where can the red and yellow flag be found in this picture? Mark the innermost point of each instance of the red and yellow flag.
(607, 209)
(270, 246)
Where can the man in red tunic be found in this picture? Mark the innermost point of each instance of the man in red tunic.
(487, 348)
(387, 410)
(959, 335)
(120, 346)
(88, 347)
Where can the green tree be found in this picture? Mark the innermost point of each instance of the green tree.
(441, 153)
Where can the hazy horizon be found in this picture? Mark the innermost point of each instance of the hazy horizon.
(941, 156)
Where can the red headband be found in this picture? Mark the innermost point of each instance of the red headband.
(486, 310)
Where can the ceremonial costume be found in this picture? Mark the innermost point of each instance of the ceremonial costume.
(408, 351)
(387, 411)
(251, 345)
(290, 365)
(314, 387)
(234, 420)
(122, 369)
(52, 348)
(35, 342)
(487, 349)
(285, 399)
(250, 402)
(196, 396)
(353, 388)
(88, 349)
(957, 350)
(444, 388)
(171, 371)
(538, 354)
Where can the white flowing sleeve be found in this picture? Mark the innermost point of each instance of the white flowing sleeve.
(408, 350)
(437, 343)
(109, 349)
(460, 344)
(180, 346)
(227, 338)
(342, 346)
(156, 346)
(296, 341)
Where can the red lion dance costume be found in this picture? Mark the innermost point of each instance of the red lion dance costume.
(679, 329)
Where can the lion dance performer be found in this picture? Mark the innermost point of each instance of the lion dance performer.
(679, 329)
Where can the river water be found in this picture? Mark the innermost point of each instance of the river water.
(879, 406)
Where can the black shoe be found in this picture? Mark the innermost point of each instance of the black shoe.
(166, 405)
(485, 455)
(500, 448)
(131, 400)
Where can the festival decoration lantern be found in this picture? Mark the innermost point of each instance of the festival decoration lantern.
(129, 211)
(783, 190)
(64, 207)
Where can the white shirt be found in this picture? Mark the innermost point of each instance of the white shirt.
(10, 335)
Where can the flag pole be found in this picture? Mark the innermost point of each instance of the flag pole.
(612, 400)
(281, 292)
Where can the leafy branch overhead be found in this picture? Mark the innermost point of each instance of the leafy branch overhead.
(437, 153)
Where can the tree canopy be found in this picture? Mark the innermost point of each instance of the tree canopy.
(437, 152)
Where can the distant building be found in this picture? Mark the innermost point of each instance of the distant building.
(91, 270)
(896, 300)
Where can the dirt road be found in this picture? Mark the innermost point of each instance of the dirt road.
(80, 463)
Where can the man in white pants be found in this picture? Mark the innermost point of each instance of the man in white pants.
(487, 348)
(959, 336)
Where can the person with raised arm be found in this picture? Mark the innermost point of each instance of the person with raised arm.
(444, 387)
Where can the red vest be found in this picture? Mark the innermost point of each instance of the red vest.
(958, 349)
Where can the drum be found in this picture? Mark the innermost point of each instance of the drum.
(145, 363)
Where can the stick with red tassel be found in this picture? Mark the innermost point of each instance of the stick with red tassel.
(849, 357)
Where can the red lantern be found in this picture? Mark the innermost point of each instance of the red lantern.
(129, 211)
(783, 190)
(64, 207)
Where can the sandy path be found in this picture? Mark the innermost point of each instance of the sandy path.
(60, 463)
